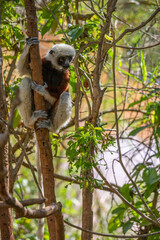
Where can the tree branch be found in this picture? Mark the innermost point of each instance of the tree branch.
(131, 30)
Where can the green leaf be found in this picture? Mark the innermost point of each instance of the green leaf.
(137, 130)
(125, 191)
(54, 26)
(150, 176)
(143, 66)
(143, 98)
(17, 119)
(150, 189)
(118, 210)
(145, 223)
(113, 224)
(47, 26)
(129, 74)
(98, 128)
(54, 7)
(75, 32)
(127, 226)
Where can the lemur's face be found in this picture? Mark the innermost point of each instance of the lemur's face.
(61, 62)
(61, 55)
(64, 62)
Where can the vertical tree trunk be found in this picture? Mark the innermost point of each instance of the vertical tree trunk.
(55, 222)
(6, 220)
(87, 213)
(87, 196)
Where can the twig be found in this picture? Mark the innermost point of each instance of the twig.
(54, 16)
(131, 30)
(79, 80)
(20, 161)
(4, 136)
(125, 200)
(111, 235)
(92, 8)
(30, 165)
(118, 142)
(72, 180)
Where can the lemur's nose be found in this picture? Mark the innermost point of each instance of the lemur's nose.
(66, 65)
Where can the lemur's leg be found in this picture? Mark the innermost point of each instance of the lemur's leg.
(41, 89)
(62, 115)
(25, 108)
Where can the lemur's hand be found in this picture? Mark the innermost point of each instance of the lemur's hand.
(44, 124)
(39, 114)
(39, 88)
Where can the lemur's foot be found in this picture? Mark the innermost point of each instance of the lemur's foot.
(39, 114)
(39, 88)
(44, 124)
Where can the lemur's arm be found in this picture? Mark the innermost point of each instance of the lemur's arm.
(23, 63)
(41, 90)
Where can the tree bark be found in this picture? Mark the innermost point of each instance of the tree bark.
(87, 213)
(6, 220)
(55, 223)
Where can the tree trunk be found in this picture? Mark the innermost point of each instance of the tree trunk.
(6, 220)
(55, 222)
(87, 213)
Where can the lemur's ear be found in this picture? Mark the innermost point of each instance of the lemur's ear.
(51, 51)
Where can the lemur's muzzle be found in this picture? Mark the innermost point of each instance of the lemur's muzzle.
(66, 63)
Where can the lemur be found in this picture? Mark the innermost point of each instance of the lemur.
(55, 89)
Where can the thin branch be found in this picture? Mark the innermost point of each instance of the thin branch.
(25, 203)
(80, 51)
(4, 136)
(118, 142)
(19, 162)
(79, 80)
(72, 180)
(54, 16)
(12, 68)
(111, 235)
(93, 9)
(30, 165)
(131, 30)
(125, 200)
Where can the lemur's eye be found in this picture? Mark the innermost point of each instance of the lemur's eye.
(61, 59)
(70, 58)
(51, 52)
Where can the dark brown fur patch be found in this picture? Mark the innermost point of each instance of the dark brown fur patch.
(57, 81)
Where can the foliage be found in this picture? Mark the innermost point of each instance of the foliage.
(80, 156)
